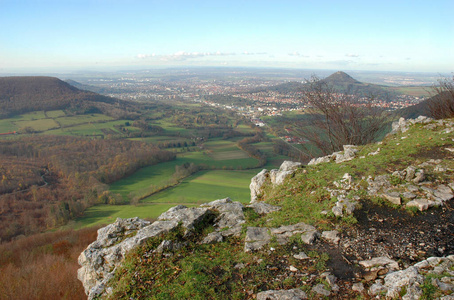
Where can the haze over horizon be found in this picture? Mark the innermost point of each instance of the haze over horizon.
(51, 35)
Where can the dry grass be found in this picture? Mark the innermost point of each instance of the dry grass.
(43, 266)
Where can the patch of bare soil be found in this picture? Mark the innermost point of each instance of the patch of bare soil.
(406, 238)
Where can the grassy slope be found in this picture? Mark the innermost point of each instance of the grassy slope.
(207, 271)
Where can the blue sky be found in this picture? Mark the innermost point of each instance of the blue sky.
(414, 36)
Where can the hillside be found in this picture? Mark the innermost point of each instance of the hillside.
(24, 94)
(342, 82)
(370, 221)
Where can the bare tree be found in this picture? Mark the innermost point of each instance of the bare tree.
(339, 119)
(441, 105)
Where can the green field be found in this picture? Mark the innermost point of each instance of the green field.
(38, 125)
(106, 214)
(206, 186)
(139, 182)
(7, 125)
(81, 119)
(55, 114)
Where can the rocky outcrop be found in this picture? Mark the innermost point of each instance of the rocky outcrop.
(402, 125)
(101, 258)
(258, 237)
(276, 177)
(408, 283)
(293, 294)
(348, 154)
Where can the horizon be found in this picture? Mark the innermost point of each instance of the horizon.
(96, 35)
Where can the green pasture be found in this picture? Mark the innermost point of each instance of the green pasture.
(224, 150)
(206, 186)
(35, 115)
(170, 127)
(244, 129)
(107, 214)
(80, 119)
(38, 125)
(204, 158)
(416, 91)
(139, 182)
(87, 129)
(55, 114)
(7, 125)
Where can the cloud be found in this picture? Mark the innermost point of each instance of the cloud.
(298, 54)
(351, 55)
(182, 55)
(254, 53)
(144, 56)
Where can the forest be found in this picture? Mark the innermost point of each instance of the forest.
(48, 180)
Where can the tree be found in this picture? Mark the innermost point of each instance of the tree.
(441, 105)
(339, 118)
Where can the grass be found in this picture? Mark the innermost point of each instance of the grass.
(7, 125)
(80, 119)
(55, 114)
(206, 186)
(140, 181)
(107, 214)
(38, 125)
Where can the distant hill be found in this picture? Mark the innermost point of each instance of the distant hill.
(342, 82)
(446, 105)
(86, 87)
(24, 94)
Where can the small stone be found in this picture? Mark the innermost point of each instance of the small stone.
(331, 236)
(320, 289)
(293, 269)
(409, 195)
(380, 261)
(358, 287)
(310, 237)
(293, 294)
(393, 197)
(301, 256)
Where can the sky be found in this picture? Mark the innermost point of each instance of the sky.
(52, 35)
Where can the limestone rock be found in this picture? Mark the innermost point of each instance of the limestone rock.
(421, 203)
(257, 183)
(212, 238)
(443, 192)
(320, 290)
(99, 261)
(396, 280)
(358, 287)
(189, 217)
(310, 237)
(377, 184)
(320, 160)
(263, 208)
(331, 236)
(286, 169)
(294, 294)
(283, 233)
(380, 261)
(349, 153)
(289, 165)
(301, 256)
(393, 197)
(256, 238)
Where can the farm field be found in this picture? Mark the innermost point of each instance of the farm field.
(106, 214)
(206, 186)
(140, 182)
(38, 125)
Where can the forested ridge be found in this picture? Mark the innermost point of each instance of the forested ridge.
(48, 180)
(33, 93)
